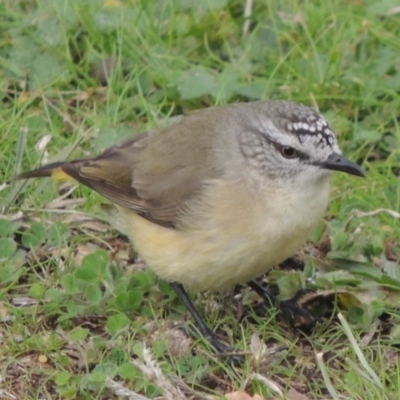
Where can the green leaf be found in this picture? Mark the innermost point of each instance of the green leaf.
(51, 31)
(118, 356)
(62, 378)
(106, 21)
(166, 289)
(254, 90)
(73, 308)
(7, 228)
(127, 371)
(93, 293)
(37, 290)
(8, 272)
(107, 369)
(203, 5)
(359, 315)
(54, 296)
(97, 377)
(336, 279)
(290, 284)
(93, 266)
(107, 136)
(34, 236)
(67, 13)
(70, 284)
(129, 301)
(45, 70)
(392, 269)
(7, 248)
(79, 334)
(381, 7)
(21, 55)
(309, 270)
(117, 322)
(87, 272)
(57, 233)
(213, 4)
(228, 83)
(143, 280)
(390, 282)
(67, 392)
(197, 82)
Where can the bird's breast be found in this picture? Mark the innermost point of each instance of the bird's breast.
(231, 236)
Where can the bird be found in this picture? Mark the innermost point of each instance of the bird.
(220, 197)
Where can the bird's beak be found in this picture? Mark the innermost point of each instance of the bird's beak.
(336, 162)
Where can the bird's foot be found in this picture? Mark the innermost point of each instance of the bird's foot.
(222, 349)
(296, 314)
(292, 312)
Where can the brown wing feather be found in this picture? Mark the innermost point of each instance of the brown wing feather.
(155, 174)
(172, 168)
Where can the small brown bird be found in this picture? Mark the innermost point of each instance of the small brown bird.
(220, 197)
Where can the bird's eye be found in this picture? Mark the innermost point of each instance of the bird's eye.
(288, 152)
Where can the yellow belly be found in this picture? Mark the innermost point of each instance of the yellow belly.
(231, 242)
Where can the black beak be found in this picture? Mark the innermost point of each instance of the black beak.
(336, 162)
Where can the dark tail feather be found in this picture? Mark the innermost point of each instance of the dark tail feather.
(41, 172)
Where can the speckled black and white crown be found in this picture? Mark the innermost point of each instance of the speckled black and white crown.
(306, 123)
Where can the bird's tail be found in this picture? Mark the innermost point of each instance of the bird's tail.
(60, 171)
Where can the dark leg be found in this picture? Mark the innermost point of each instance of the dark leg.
(203, 328)
(269, 299)
(292, 312)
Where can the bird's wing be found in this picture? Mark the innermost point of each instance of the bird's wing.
(154, 174)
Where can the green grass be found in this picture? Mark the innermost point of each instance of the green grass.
(77, 308)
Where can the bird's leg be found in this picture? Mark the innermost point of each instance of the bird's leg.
(290, 308)
(203, 328)
(264, 293)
